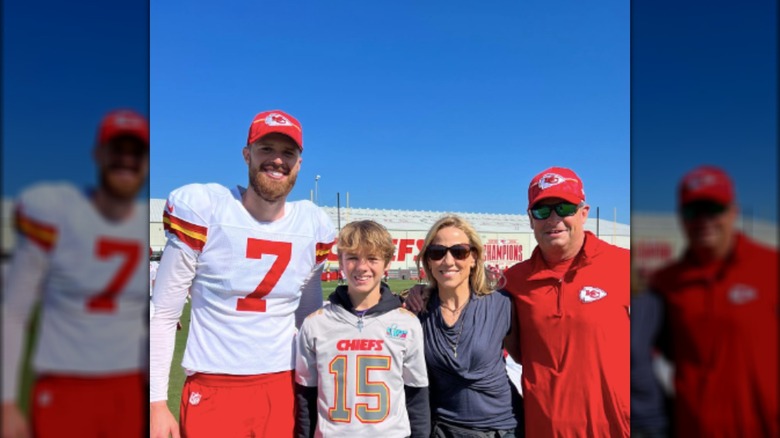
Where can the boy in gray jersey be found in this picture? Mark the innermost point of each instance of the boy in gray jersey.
(360, 368)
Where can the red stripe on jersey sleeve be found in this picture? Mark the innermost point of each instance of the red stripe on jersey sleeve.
(322, 250)
(42, 234)
(192, 235)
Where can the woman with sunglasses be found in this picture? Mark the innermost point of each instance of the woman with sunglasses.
(464, 325)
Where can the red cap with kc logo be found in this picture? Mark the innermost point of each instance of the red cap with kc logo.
(123, 123)
(275, 121)
(556, 182)
(706, 183)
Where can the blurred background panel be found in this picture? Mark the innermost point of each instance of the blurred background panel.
(704, 93)
(66, 65)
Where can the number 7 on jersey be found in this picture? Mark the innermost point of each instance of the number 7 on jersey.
(256, 249)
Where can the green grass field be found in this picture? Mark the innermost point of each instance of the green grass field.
(177, 373)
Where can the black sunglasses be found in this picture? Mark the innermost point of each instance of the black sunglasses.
(459, 251)
(706, 209)
(562, 209)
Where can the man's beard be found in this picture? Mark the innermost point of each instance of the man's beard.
(120, 190)
(271, 190)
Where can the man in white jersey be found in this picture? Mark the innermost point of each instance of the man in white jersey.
(252, 262)
(360, 369)
(80, 252)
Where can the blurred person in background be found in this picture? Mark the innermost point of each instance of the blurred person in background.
(720, 323)
(79, 253)
(649, 401)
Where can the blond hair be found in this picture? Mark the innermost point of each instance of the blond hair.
(480, 282)
(367, 237)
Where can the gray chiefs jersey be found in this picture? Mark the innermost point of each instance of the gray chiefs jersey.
(360, 366)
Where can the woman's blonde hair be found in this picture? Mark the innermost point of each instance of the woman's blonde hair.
(480, 282)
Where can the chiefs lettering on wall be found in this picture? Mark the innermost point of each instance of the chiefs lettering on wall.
(497, 251)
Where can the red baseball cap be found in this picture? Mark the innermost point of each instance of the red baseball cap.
(277, 121)
(123, 122)
(556, 182)
(706, 183)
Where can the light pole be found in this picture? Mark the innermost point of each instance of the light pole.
(316, 190)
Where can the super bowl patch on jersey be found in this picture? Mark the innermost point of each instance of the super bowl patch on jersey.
(395, 332)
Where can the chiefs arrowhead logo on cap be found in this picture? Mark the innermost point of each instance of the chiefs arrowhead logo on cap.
(552, 179)
(275, 119)
(701, 180)
(556, 182)
(124, 120)
(589, 294)
(706, 183)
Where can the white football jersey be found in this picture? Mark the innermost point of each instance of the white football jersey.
(361, 366)
(248, 277)
(92, 275)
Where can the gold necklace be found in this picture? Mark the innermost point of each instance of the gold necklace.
(454, 346)
(454, 310)
(457, 340)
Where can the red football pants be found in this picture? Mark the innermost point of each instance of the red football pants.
(67, 406)
(219, 405)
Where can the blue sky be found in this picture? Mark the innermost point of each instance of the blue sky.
(425, 106)
(704, 91)
(433, 106)
(65, 64)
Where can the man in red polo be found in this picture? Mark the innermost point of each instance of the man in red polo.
(572, 304)
(721, 311)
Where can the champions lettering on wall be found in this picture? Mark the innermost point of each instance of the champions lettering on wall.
(504, 252)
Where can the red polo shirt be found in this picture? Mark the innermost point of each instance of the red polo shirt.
(575, 341)
(721, 333)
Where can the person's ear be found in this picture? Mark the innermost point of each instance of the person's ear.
(245, 152)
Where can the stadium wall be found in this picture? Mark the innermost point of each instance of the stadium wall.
(508, 238)
(655, 239)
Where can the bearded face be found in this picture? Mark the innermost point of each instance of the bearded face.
(123, 165)
(272, 181)
(274, 162)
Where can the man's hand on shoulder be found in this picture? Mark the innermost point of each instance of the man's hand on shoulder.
(416, 298)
